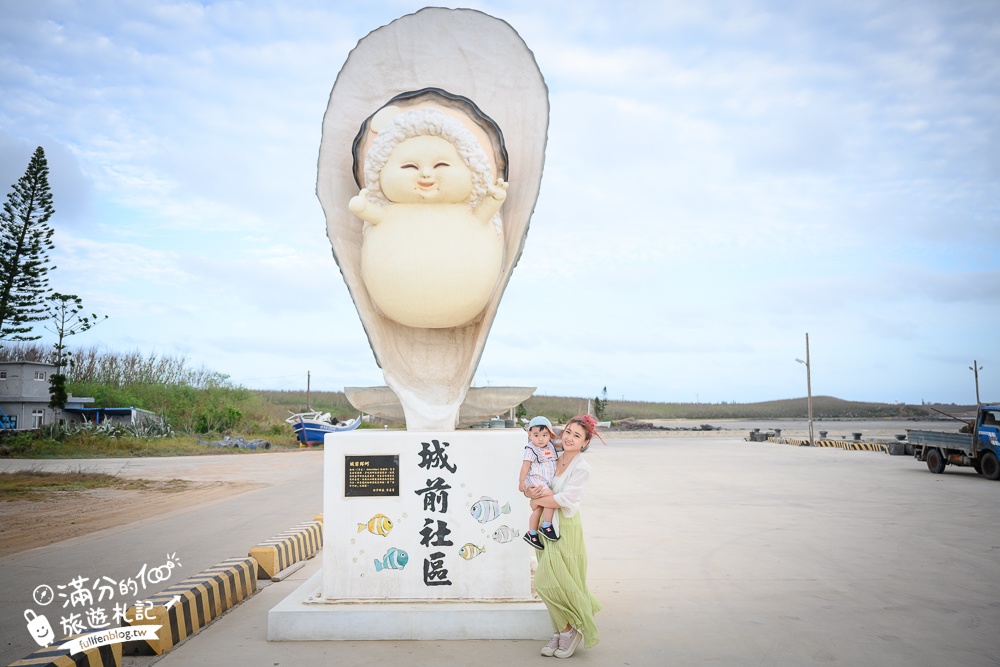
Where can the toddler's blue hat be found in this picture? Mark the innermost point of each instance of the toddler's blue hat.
(541, 421)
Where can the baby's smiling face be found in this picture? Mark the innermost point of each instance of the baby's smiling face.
(426, 169)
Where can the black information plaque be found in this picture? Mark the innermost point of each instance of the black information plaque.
(371, 475)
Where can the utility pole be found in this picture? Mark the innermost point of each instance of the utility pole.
(975, 368)
(809, 391)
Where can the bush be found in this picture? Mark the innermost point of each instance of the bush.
(146, 428)
(188, 409)
(17, 444)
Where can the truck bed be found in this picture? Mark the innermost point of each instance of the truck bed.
(942, 439)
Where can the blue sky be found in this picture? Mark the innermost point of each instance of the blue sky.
(720, 178)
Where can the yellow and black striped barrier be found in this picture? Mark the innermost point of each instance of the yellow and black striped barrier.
(868, 447)
(187, 607)
(842, 444)
(109, 655)
(787, 441)
(855, 446)
(798, 442)
(291, 546)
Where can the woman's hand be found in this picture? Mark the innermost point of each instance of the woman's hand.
(538, 491)
(542, 496)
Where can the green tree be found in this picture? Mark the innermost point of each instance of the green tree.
(64, 316)
(601, 404)
(58, 395)
(25, 238)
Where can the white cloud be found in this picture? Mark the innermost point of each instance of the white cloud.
(721, 177)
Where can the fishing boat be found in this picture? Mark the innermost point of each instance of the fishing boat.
(311, 427)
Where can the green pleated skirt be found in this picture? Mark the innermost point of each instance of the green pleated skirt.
(561, 581)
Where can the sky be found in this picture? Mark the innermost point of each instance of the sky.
(721, 179)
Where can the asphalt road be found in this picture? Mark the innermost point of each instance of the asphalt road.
(704, 551)
(199, 536)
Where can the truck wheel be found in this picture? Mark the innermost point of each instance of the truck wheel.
(990, 466)
(935, 460)
(977, 465)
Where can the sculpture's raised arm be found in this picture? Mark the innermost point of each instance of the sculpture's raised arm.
(495, 196)
(364, 209)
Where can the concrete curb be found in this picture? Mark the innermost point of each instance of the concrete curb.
(282, 551)
(848, 445)
(187, 607)
(854, 446)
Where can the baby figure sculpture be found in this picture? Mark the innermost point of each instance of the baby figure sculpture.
(433, 248)
(424, 127)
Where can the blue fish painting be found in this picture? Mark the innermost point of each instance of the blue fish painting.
(486, 509)
(394, 559)
(505, 534)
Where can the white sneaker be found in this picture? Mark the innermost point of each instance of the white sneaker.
(568, 643)
(549, 649)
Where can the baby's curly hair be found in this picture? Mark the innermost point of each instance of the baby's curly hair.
(417, 122)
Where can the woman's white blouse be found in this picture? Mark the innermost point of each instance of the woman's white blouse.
(567, 488)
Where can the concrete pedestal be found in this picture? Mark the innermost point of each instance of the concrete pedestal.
(303, 617)
(421, 541)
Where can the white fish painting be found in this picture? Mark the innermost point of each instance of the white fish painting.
(505, 534)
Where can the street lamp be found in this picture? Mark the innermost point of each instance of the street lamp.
(975, 368)
(810, 391)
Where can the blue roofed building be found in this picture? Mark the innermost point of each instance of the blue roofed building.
(24, 401)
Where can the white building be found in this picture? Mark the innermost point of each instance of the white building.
(24, 394)
(24, 401)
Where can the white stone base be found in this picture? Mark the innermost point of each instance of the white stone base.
(299, 618)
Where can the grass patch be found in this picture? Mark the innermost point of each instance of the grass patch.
(28, 484)
(96, 446)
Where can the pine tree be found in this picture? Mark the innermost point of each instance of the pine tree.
(25, 238)
(64, 315)
(601, 404)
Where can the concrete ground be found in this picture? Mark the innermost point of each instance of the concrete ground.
(703, 550)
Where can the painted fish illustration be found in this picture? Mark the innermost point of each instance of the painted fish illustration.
(470, 551)
(395, 559)
(505, 534)
(379, 524)
(487, 509)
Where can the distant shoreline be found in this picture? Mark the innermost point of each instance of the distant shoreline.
(836, 428)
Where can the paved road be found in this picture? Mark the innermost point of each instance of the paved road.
(200, 536)
(704, 551)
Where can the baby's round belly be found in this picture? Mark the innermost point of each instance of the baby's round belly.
(431, 273)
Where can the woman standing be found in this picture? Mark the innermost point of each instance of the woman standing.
(561, 577)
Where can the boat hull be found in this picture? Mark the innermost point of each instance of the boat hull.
(313, 432)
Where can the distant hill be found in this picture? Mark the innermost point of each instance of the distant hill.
(283, 402)
(824, 407)
(564, 407)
